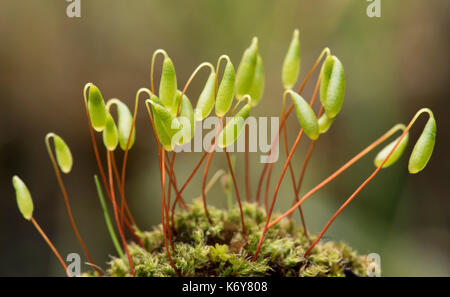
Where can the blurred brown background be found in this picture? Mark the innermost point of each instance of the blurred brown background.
(394, 65)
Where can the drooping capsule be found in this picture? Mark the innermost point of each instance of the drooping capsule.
(124, 123)
(23, 197)
(423, 148)
(305, 115)
(324, 123)
(225, 93)
(97, 110)
(291, 64)
(186, 119)
(398, 152)
(332, 87)
(168, 86)
(110, 134)
(205, 102)
(234, 127)
(246, 69)
(166, 125)
(63, 154)
(257, 89)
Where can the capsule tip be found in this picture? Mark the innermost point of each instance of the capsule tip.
(255, 41)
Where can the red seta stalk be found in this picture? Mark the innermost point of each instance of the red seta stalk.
(288, 160)
(116, 214)
(244, 232)
(163, 211)
(164, 217)
(247, 166)
(49, 243)
(67, 204)
(325, 52)
(294, 184)
(188, 180)
(359, 189)
(205, 174)
(297, 141)
(97, 158)
(338, 172)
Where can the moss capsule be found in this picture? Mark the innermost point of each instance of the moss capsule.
(110, 134)
(246, 69)
(324, 123)
(206, 100)
(225, 93)
(305, 115)
(187, 113)
(291, 64)
(332, 87)
(124, 123)
(398, 152)
(257, 89)
(423, 148)
(164, 121)
(63, 154)
(23, 197)
(97, 110)
(234, 127)
(168, 86)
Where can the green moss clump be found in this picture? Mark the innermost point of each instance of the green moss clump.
(221, 250)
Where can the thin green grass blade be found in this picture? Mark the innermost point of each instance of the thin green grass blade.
(112, 233)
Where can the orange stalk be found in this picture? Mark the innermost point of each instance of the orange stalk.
(338, 172)
(188, 180)
(116, 214)
(244, 232)
(97, 155)
(164, 221)
(205, 174)
(67, 205)
(297, 141)
(163, 212)
(325, 52)
(247, 166)
(288, 160)
(359, 189)
(49, 243)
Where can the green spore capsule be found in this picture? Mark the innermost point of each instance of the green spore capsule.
(257, 89)
(234, 127)
(187, 114)
(398, 152)
(305, 115)
(168, 86)
(225, 93)
(63, 154)
(206, 100)
(324, 123)
(23, 197)
(423, 148)
(291, 64)
(246, 69)
(110, 134)
(332, 87)
(124, 123)
(166, 125)
(97, 110)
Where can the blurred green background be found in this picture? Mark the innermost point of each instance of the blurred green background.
(394, 65)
